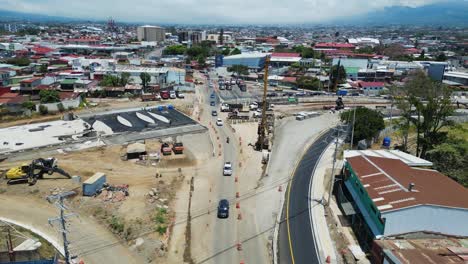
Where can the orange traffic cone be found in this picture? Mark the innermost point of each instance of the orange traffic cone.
(280, 188)
(328, 260)
(237, 205)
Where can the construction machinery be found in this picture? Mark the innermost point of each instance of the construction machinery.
(30, 173)
(262, 140)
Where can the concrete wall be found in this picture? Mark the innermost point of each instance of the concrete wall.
(444, 220)
(53, 107)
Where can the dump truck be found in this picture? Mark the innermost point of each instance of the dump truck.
(178, 148)
(166, 149)
(30, 173)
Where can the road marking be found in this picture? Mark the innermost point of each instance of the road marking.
(287, 213)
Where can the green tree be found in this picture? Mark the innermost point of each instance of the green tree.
(427, 106)
(124, 78)
(49, 96)
(451, 160)
(368, 123)
(19, 61)
(305, 52)
(201, 61)
(145, 79)
(422, 55)
(441, 57)
(239, 69)
(175, 50)
(338, 75)
(309, 83)
(43, 68)
(110, 81)
(43, 110)
(226, 52)
(29, 105)
(235, 51)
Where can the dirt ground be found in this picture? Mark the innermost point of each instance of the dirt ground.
(138, 216)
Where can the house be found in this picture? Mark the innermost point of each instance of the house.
(383, 195)
(278, 59)
(13, 102)
(334, 45)
(28, 86)
(371, 88)
(68, 84)
(4, 78)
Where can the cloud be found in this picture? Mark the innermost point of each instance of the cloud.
(207, 11)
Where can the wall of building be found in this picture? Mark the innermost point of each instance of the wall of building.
(450, 221)
(252, 63)
(53, 107)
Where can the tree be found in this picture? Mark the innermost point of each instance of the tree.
(427, 106)
(365, 50)
(394, 51)
(124, 78)
(305, 52)
(452, 160)
(43, 68)
(235, 51)
(29, 105)
(175, 50)
(49, 96)
(441, 57)
(110, 81)
(201, 61)
(19, 61)
(239, 69)
(368, 123)
(338, 75)
(309, 83)
(60, 107)
(226, 52)
(422, 55)
(145, 79)
(43, 110)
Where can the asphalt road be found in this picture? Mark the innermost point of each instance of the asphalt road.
(296, 241)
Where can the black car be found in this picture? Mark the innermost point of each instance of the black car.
(212, 103)
(223, 208)
(214, 113)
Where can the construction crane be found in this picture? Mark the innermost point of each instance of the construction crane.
(262, 140)
(30, 173)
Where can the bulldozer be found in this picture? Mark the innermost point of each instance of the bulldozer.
(30, 173)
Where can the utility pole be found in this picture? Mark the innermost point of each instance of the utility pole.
(354, 120)
(261, 128)
(334, 164)
(62, 219)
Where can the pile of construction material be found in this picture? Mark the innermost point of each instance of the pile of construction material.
(113, 193)
(153, 197)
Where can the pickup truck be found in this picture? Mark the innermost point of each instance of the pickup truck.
(166, 149)
(178, 148)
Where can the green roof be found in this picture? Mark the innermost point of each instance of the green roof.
(352, 70)
(68, 81)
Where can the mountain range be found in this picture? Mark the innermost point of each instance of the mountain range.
(447, 13)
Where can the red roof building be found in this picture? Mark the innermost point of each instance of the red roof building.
(286, 54)
(334, 45)
(39, 50)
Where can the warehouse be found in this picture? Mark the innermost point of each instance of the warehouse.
(386, 197)
(255, 61)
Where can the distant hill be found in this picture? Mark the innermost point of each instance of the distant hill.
(449, 13)
(6, 15)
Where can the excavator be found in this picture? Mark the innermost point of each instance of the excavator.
(30, 173)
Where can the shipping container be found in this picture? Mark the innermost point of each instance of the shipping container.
(93, 184)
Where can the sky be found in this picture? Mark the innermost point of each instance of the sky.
(207, 11)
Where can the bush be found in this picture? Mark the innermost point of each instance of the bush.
(117, 224)
(60, 107)
(29, 105)
(43, 110)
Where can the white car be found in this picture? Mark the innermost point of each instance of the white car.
(181, 95)
(227, 170)
(219, 122)
(172, 95)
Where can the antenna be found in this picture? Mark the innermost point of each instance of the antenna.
(62, 219)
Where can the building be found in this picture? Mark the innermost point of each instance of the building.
(278, 59)
(363, 42)
(194, 37)
(4, 78)
(384, 197)
(254, 61)
(371, 88)
(28, 86)
(424, 249)
(151, 33)
(460, 78)
(334, 46)
(227, 37)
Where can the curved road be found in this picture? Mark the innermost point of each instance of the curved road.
(296, 241)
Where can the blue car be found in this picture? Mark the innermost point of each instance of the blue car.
(212, 103)
(223, 209)
(212, 96)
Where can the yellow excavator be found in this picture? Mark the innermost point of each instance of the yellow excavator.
(30, 173)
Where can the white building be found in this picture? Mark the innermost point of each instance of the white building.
(364, 41)
(151, 33)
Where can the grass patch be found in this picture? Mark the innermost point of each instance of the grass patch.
(160, 218)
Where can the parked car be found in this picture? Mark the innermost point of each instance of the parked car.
(164, 95)
(223, 208)
(172, 94)
(219, 122)
(227, 169)
(214, 113)
(180, 95)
